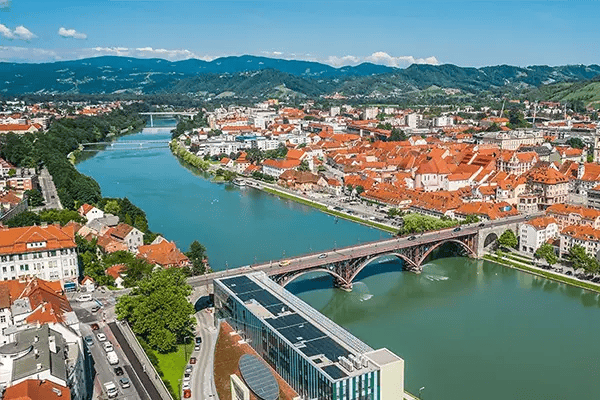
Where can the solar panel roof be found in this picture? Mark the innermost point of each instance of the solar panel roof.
(240, 284)
(334, 372)
(285, 320)
(303, 331)
(258, 377)
(262, 297)
(326, 346)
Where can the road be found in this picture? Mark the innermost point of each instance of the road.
(346, 253)
(105, 372)
(141, 386)
(49, 190)
(203, 384)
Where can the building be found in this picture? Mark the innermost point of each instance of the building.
(551, 185)
(315, 356)
(90, 212)
(132, 237)
(568, 214)
(535, 232)
(512, 140)
(275, 168)
(47, 252)
(163, 253)
(578, 235)
(35, 389)
(593, 197)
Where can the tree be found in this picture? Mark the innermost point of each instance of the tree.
(359, 189)
(397, 135)
(158, 309)
(578, 257)
(546, 251)
(197, 256)
(471, 219)
(34, 198)
(508, 239)
(112, 207)
(576, 143)
(303, 166)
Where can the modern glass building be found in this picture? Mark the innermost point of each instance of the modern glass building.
(317, 357)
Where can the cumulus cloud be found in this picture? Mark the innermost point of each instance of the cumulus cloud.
(71, 33)
(381, 58)
(20, 32)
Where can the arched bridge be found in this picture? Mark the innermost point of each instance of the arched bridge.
(344, 264)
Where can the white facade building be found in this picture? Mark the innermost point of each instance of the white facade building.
(534, 233)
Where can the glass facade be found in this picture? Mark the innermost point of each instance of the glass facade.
(298, 360)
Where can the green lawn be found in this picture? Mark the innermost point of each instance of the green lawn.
(173, 364)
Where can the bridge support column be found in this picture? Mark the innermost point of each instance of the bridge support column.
(341, 284)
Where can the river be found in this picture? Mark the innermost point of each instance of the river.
(466, 329)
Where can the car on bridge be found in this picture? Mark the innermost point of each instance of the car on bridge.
(323, 256)
(284, 263)
(457, 229)
(413, 237)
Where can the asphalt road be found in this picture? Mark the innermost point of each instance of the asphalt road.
(49, 190)
(202, 383)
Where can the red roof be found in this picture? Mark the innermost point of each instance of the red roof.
(165, 254)
(33, 389)
(15, 240)
(116, 270)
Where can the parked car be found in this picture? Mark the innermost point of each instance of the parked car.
(111, 390)
(119, 371)
(95, 326)
(85, 297)
(193, 360)
(112, 358)
(323, 255)
(189, 368)
(101, 337)
(457, 229)
(284, 263)
(186, 385)
(95, 308)
(412, 237)
(108, 347)
(89, 340)
(187, 377)
(198, 341)
(481, 225)
(124, 382)
(187, 393)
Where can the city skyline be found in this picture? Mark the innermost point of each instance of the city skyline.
(336, 33)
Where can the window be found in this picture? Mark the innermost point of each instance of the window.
(2, 319)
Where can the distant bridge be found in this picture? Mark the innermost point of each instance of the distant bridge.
(167, 114)
(127, 145)
(346, 263)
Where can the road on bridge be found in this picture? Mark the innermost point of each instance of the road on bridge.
(309, 261)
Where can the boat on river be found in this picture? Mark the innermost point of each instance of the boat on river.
(239, 182)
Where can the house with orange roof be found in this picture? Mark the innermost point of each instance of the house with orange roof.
(432, 174)
(164, 254)
(117, 272)
(227, 162)
(241, 163)
(587, 177)
(486, 210)
(580, 235)
(132, 237)
(90, 212)
(275, 168)
(515, 162)
(551, 185)
(535, 232)
(35, 389)
(568, 214)
(48, 252)
(19, 128)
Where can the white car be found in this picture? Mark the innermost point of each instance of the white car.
(101, 337)
(108, 347)
(85, 297)
(186, 385)
(111, 389)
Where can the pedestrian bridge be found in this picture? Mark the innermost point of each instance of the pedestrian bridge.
(344, 264)
(126, 145)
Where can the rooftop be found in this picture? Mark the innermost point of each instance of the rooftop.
(314, 336)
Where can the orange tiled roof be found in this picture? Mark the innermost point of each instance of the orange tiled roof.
(165, 254)
(33, 389)
(116, 270)
(582, 232)
(566, 209)
(15, 240)
(541, 222)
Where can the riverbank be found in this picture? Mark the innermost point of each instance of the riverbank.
(189, 159)
(543, 273)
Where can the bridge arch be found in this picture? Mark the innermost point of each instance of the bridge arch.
(469, 250)
(298, 274)
(369, 260)
(490, 238)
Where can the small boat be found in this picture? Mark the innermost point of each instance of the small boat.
(239, 182)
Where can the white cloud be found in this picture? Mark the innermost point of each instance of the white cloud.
(340, 61)
(71, 33)
(23, 33)
(4, 3)
(381, 58)
(172, 55)
(20, 32)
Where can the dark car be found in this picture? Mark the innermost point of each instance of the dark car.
(412, 238)
(95, 326)
(457, 229)
(481, 225)
(193, 360)
(118, 371)
(198, 340)
(124, 382)
(95, 308)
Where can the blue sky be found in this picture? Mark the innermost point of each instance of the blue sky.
(466, 33)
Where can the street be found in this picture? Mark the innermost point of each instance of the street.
(49, 190)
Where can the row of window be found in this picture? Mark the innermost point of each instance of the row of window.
(33, 256)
